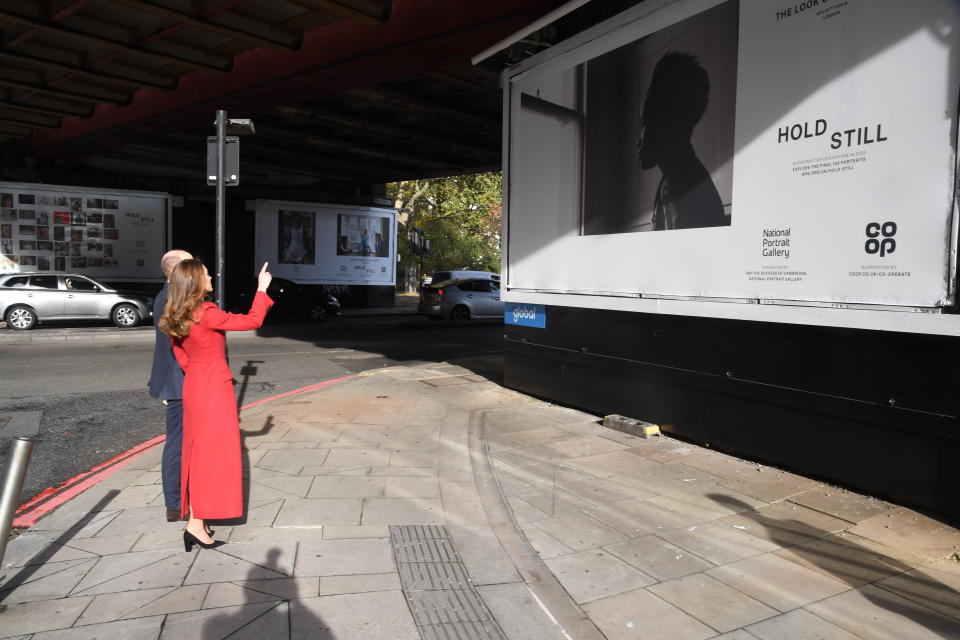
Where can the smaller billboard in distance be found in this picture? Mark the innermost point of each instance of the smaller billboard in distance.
(315, 243)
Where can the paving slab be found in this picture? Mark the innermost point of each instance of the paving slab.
(712, 602)
(872, 612)
(658, 558)
(776, 581)
(47, 615)
(640, 614)
(364, 616)
(595, 574)
(345, 557)
(137, 629)
(798, 625)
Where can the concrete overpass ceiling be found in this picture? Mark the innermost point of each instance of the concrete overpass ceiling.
(343, 92)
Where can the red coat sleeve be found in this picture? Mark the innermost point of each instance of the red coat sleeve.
(214, 318)
(180, 354)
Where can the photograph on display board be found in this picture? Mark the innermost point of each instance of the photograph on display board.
(61, 248)
(78, 263)
(46, 201)
(28, 261)
(94, 218)
(28, 245)
(6, 200)
(659, 126)
(111, 234)
(108, 249)
(26, 198)
(28, 230)
(10, 261)
(76, 204)
(363, 235)
(43, 263)
(94, 232)
(74, 248)
(296, 232)
(43, 218)
(6, 230)
(63, 201)
(27, 214)
(61, 217)
(94, 203)
(60, 264)
(76, 235)
(44, 245)
(8, 214)
(109, 219)
(59, 233)
(78, 219)
(43, 233)
(110, 204)
(6, 246)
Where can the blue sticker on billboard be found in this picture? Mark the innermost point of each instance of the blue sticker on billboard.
(525, 315)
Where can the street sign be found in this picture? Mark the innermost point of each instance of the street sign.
(232, 161)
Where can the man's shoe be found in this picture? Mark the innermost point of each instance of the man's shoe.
(173, 515)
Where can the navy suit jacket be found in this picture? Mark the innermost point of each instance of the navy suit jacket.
(166, 377)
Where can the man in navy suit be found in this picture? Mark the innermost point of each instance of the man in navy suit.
(166, 383)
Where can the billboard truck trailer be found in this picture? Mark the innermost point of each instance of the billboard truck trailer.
(714, 226)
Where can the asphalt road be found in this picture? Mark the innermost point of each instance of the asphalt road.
(95, 405)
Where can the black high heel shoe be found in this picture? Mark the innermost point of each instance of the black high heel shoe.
(189, 540)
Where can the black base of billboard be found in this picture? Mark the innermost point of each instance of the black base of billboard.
(871, 410)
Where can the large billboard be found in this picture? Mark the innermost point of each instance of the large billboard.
(111, 235)
(795, 153)
(327, 244)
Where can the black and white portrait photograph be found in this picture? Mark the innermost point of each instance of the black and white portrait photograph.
(658, 128)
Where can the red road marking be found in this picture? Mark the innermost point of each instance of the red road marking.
(52, 497)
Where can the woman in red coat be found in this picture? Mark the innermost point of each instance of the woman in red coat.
(210, 477)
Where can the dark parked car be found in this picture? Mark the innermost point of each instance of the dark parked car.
(292, 301)
(28, 298)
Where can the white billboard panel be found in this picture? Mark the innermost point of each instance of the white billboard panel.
(803, 153)
(327, 244)
(116, 236)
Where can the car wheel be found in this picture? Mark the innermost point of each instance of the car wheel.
(21, 317)
(317, 312)
(125, 315)
(460, 312)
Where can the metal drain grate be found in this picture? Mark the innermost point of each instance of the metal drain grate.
(444, 604)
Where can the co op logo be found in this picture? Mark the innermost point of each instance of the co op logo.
(880, 238)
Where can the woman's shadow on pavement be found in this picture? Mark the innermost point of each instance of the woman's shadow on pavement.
(266, 615)
(856, 565)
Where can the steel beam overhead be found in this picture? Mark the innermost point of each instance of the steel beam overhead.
(225, 66)
(209, 25)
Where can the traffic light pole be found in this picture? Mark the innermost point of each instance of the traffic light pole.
(219, 285)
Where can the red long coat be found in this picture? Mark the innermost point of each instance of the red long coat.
(210, 472)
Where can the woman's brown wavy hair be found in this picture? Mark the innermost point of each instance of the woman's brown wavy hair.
(184, 297)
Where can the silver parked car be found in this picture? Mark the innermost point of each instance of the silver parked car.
(27, 298)
(461, 299)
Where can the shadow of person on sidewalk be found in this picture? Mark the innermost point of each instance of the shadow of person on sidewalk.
(857, 565)
(267, 612)
(245, 467)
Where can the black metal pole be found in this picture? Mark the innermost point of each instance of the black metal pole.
(219, 285)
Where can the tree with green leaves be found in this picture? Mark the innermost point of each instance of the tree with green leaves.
(459, 215)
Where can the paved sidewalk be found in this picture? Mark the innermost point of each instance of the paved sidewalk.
(429, 502)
